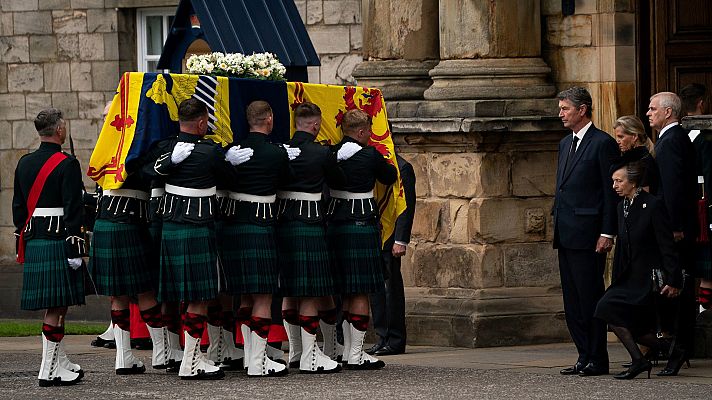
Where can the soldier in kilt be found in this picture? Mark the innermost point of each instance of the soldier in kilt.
(222, 349)
(190, 272)
(354, 235)
(305, 268)
(122, 266)
(47, 214)
(251, 259)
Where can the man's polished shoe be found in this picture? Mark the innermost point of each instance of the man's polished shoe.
(388, 351)
(593, 370)
(374, 349)
(572, 370)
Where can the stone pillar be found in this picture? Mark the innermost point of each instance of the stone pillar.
(490, 50)
(400, 46)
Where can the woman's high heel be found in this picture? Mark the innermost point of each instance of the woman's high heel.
(635, 369)
(674, 364)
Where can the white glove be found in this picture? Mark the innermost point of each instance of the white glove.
(75, 263)
(292, 152)
(237, 156)
(347, 151)
(181, 152)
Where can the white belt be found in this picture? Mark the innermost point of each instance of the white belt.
(222, 193)
(134, 194)
(158, 192)
(48, 212)
(253, 198)
(190, 192)
(299, 196)
(342, 194)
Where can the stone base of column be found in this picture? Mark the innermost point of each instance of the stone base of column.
(492, 78)
(397, 79)
(485, 317)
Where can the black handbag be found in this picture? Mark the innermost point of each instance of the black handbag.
(658, 282)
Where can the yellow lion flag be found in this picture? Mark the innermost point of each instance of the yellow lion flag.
(144, 110)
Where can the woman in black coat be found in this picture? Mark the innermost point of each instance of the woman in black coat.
(635, 144)
(645, 242)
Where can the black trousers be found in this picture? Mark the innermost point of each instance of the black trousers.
(685, 307)
(582, 286)
(388, 308)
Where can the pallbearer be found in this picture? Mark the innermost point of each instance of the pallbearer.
(305, 273)
(189, 269)
(354, 235)
(251, 259)
(47, 214)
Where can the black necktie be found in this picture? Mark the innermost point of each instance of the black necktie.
(572, 151)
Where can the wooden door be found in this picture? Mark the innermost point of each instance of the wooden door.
(674, 46)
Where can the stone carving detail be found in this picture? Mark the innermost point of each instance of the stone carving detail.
(535, 220)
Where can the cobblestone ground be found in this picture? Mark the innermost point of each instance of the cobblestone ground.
(18, 380)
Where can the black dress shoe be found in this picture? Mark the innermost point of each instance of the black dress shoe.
(99, 342)
(636, 368)
(572, 370)
(593, 370)
(675, 362)
(388, 351)
(374, 349)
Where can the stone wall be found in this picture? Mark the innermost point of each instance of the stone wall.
(334, 27)
(594, 48)
(57, 53)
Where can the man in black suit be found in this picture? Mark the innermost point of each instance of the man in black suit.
(388, 309)
(675, 156)
(584, 227)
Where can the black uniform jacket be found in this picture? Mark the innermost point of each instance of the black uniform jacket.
(645, 241)
(63, 188)
(315, 165)
(260, 176)
(362, 171)
(203, 169)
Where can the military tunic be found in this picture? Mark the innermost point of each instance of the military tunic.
(251, 258)
(305, 267)
(354, 232)
(48, 280)
(189, 268)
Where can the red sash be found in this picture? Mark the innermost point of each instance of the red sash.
(34, 196)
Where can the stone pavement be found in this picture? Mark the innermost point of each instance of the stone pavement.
(529, 372)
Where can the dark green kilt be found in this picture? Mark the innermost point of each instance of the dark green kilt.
(356, 251)
(48, 280)
(119, 261)
(250, 259)
(154, 229)
(305, 268)
(189, 268)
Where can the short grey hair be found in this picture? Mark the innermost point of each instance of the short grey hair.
(669, 100)
(578, 96)
(47, 121)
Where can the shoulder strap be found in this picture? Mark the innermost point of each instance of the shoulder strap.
(34, 196)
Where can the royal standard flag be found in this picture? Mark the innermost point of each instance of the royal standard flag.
(145, 109)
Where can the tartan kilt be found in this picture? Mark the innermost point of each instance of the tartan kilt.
(155, 227)
(119, 259)
(305, 268)
(358, 263)
(189, 268)
(47, 279)
(250, 261)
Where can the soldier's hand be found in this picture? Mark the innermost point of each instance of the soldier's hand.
(181, 152)
(347, 151)
(75, 263)
(292, 152)
(237, 156)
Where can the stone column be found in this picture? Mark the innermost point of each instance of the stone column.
(490, 50)
(400, 46)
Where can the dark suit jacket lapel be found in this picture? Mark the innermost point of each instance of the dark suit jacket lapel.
(579, 152)
(562, 158)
